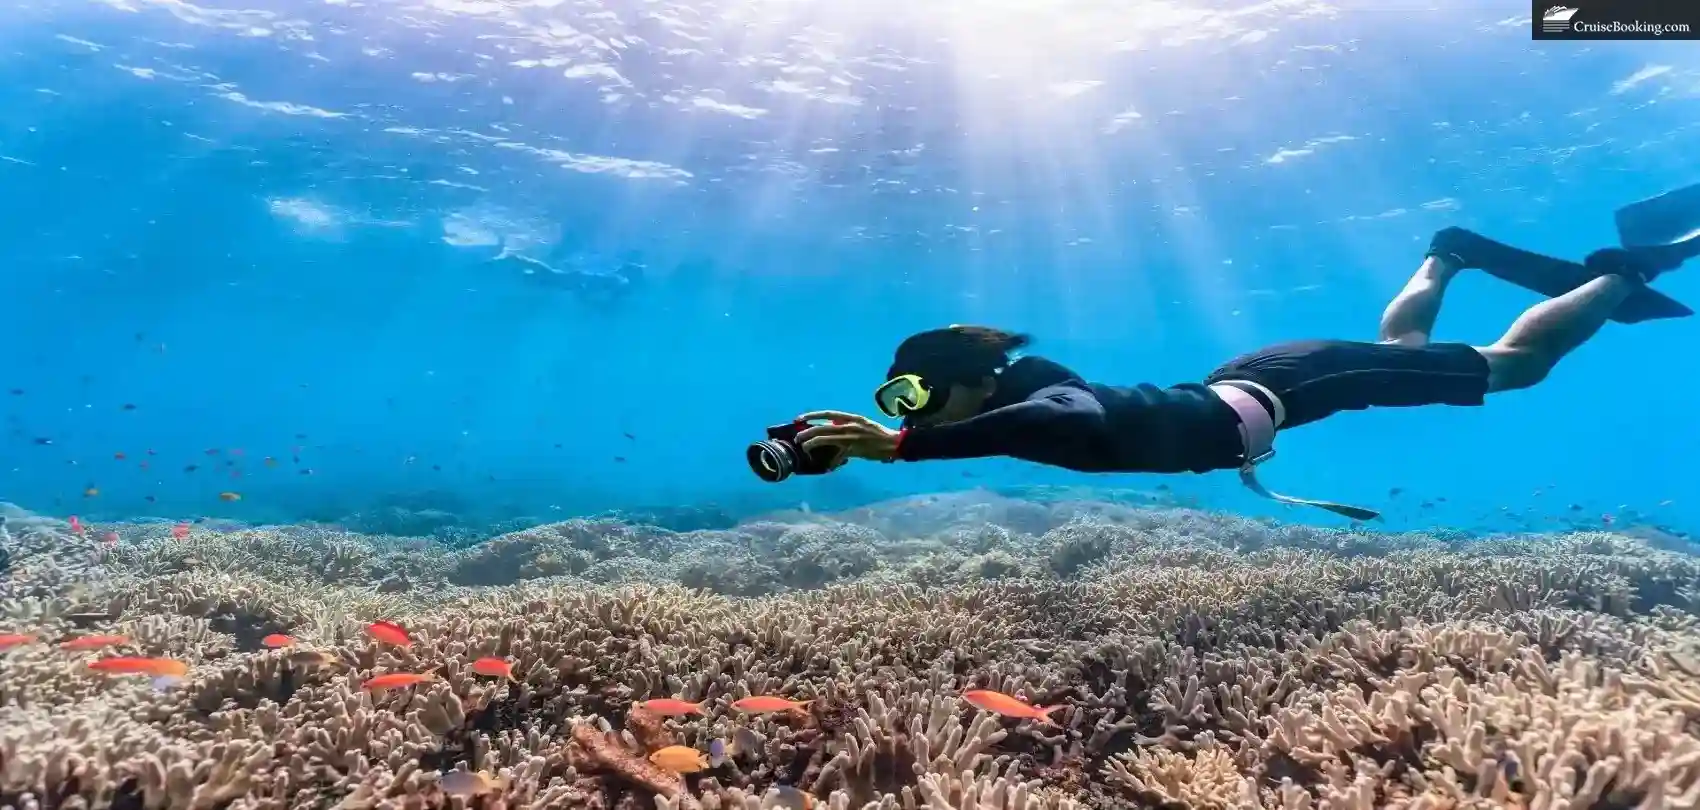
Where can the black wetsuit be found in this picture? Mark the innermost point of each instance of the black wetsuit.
(1045, 413)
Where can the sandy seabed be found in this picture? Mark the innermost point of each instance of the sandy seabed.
(1205, 661)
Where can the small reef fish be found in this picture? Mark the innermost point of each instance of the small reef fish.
(495, 668)
(230, 496)
(717, 755)
(389, 633)
(763, 704)
(1001, 704)
(180, 531)
(92, 643)
(672, 707)
(679, 759)
(117, 456)
(791, 798)
(1510, 767)
(310, 658)
(10, 640)
(277, 640)
(467, 784)
(110, 538)
(91, 492)
(76, 526)
(126, 665)
(397, 680)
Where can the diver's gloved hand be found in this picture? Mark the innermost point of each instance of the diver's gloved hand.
(857, 435)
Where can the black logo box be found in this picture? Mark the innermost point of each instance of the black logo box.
(1588, 20)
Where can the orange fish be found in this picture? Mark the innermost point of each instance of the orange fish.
(1002, 704)
(495, 668)
(389, 633)
(180, 531)
(10, 640)
(230, 496)
(127, 665)
(91, 492)
(672, 707)
(277, 640)
(92, 642)
(397, 680)
(762, 704)
(680, 759)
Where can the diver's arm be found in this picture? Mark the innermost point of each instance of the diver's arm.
(1065, 428)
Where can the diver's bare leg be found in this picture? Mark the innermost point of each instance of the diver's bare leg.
(1409, 318)
(1548, 331)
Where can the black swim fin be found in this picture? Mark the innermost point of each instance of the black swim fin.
(1546, 275)
(1667, 219)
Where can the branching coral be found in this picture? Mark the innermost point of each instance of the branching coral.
(1206, 780)
(1203, 662)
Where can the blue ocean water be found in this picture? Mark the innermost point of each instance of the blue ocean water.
(276, 242)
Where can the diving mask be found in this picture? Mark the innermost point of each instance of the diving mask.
(903, 395)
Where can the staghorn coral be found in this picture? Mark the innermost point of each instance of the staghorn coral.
(1204, 662)
(1206, 780)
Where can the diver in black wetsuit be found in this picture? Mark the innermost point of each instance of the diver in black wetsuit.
(961, 396)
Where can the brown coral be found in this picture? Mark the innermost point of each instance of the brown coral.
(604, 751)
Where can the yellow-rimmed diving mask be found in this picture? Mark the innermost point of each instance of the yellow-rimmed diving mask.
(903, 395)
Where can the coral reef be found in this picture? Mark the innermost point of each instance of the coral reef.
(1203, 661)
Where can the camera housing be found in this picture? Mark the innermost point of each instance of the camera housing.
(779, 456)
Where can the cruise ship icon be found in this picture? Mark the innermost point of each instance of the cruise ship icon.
(1556, 20)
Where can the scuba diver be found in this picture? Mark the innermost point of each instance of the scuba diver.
(961, 395)
(596, 289)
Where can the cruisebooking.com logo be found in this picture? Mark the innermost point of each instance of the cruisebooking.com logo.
(1562, 22)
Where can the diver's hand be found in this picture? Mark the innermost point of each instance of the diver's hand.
(857, 436)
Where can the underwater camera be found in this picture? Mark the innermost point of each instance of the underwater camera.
(779, 457)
